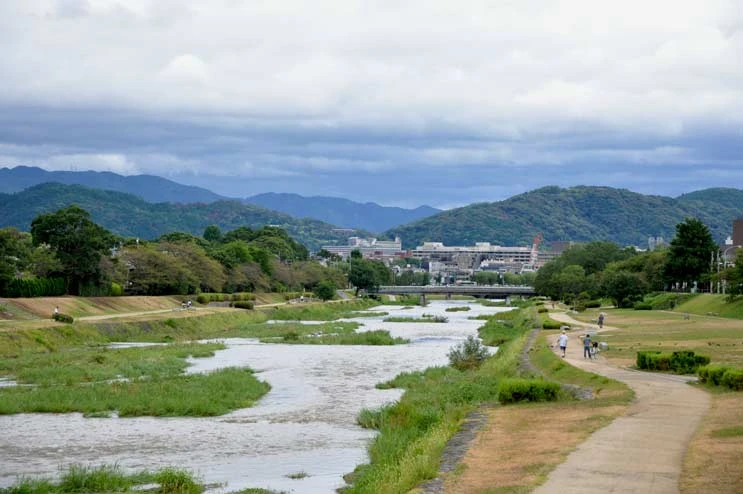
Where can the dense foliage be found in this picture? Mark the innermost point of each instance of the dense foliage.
(596, 270)
(67, 252)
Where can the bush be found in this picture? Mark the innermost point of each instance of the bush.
(733, 379)
(551, 324)
(542, 310)
(468, 354)
(643, 306)
(242, 304)
(116, 290)
(711, 374)
(514, 390)
(59, 317)
(592, 304)
(683, 362)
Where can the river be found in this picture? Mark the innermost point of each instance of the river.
(304, 425)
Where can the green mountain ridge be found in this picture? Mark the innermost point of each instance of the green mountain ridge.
(582, 213)
(131, 216)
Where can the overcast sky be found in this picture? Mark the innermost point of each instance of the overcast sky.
(435, 102)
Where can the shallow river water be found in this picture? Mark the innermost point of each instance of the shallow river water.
(305, 424)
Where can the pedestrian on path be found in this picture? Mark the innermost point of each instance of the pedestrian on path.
(601, 319)
(587, 346)
(562, 342)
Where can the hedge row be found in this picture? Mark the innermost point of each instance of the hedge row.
(719, 375)
(242, 304)
(205, 298)
(35, 287)
(683, 362)
(514, 390)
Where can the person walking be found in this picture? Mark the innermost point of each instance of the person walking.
(587, 346)
(601, 319)
(562, 342)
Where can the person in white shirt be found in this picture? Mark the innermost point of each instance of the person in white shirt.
(562, 342)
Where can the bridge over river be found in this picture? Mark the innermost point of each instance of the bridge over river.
(487, 291)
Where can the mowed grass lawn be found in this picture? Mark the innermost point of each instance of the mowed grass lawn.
(715, 455)
(719, 338)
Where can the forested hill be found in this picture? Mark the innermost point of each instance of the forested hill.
(342, 212)
(130, 216)
(578, 214)
(148, 187)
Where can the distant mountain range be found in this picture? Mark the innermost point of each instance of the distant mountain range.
(149, 187)
(577, 214)
(342, 212)
(131, 216)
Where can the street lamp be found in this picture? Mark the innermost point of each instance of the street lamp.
(725, 264)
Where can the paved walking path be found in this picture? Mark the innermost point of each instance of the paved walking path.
(640, 452)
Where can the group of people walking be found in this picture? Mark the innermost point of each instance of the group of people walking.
(589, 346)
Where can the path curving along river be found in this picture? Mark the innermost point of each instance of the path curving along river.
(306, 424)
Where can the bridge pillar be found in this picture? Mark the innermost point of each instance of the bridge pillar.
(422, 300)
(448, 295)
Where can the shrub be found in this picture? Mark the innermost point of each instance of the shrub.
(59, 317)
(711, 374)
(683, 362)
(242, 304)
(551, 324)
(733, 379)
(116, 290)
(592, 304)
(202, 298)
(514, 390)
(468, 355)
(175, 481)
(542, 310)
(643, 306)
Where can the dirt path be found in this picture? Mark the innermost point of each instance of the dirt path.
(640, 452)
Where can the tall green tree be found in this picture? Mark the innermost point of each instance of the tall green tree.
(690, 254)
(78, 243)
(212, 233)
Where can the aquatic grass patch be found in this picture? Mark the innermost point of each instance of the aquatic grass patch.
(423, 318)
(377, 337)
(104, 479)
(196, 395)
(98, 363)
(463, 308)
(319, 312)
(177, 481)
(284, 328)
(297, 475)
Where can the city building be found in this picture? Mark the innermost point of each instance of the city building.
(370, 248)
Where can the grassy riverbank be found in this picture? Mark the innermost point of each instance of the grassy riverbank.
(106, 479)
(716, 450)
(414, 431)
(519, 447)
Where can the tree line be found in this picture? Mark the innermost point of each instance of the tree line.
(65, 252)
(604, 270)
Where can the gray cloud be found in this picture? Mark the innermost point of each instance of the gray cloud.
(415, 102)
